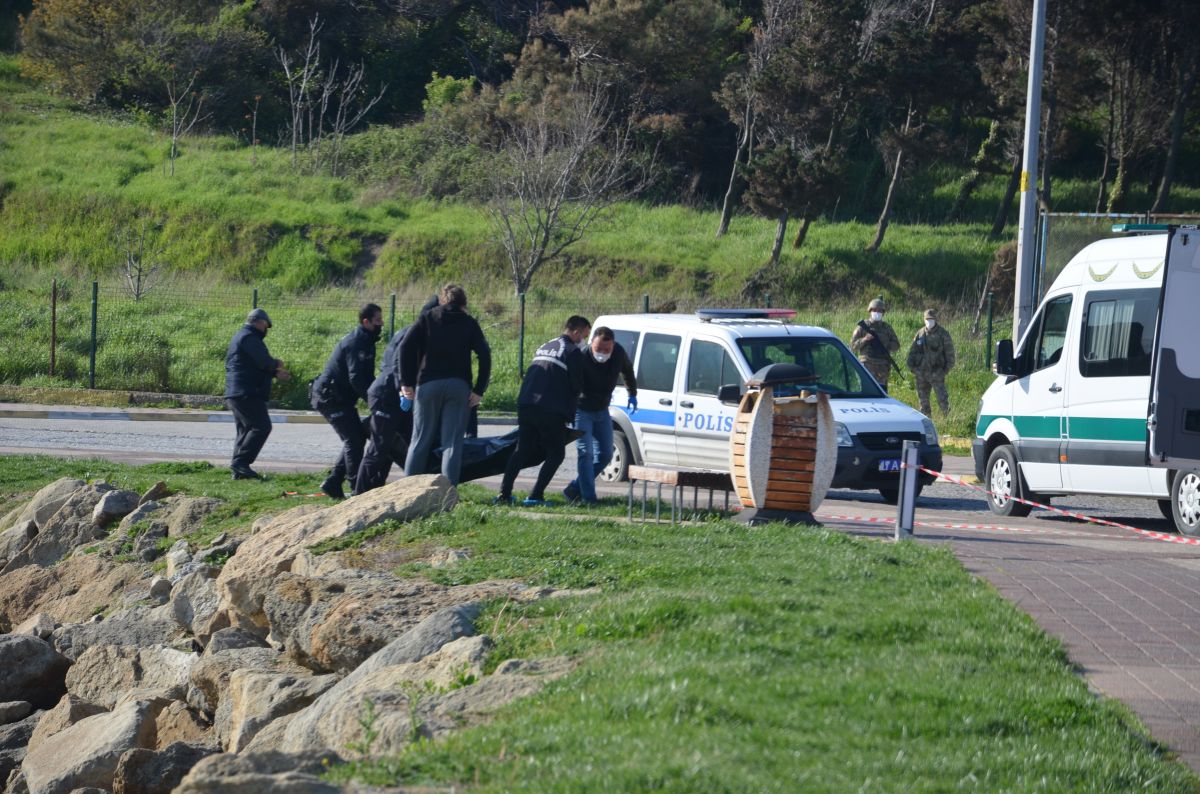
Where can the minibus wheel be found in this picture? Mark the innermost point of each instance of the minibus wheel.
(1002, 479)
(1185, 502)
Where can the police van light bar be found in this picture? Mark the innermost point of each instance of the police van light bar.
(708, 315)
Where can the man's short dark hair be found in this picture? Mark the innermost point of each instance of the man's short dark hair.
(454, 294)
(577, 323)
(368, 311)
(603, 333)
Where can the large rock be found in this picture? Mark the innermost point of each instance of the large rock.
(142, 771)
(86, 754)
(14, 539)
(194, 601)
(256, 698)
(68, 711)
(333, 623)
(277, 773)
(333, 718)
(30, 669)
(138, 626)
(68, 592)
(178, 722)
(233, 638)
(14, 711)
(113, 506)
(46, 502)
(209, 678)
(104, 673)
(70, 526)
(14, 739)
(272, 551)
(187, 514)
(40, 625)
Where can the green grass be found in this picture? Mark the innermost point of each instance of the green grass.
(721, 658)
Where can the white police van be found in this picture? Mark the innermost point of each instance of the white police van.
(1069, 410)
(691, 370)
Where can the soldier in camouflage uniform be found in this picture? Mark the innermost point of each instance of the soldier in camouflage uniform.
(930, 357)
(872, 340)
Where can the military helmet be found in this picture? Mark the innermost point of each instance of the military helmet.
(877, 305)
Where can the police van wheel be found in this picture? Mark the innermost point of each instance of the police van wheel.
(617, 468)
(1003, 480)
(1185, 503)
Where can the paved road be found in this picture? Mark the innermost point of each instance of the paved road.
(1125, 605)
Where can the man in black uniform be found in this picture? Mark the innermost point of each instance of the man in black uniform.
(545, 406)
(604, 362)
(337, 390)
(435, 373)
(391, 417)
(249, 369)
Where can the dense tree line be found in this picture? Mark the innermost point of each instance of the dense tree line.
(790, 107)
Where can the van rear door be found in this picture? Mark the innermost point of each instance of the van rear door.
(1173, 416)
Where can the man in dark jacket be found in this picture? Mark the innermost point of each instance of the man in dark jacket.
(391, 421)
(435, 373)
(336, 391)
(249, 369)
(545, 406)
(603, 363)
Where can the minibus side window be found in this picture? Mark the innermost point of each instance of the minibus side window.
(1054, 332)
(1118, 332)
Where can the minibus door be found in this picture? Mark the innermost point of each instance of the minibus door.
(1173, 415)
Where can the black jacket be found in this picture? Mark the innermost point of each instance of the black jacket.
(554, 378)
(348, 372)
(249, 367)
(439, 346)
(599, 380)
(385, 389)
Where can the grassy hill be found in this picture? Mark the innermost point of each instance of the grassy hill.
(235, 218)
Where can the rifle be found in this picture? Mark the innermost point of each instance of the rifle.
(878, 348)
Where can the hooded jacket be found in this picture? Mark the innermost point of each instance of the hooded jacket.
(439, 345)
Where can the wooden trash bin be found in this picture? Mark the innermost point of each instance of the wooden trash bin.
(783, 450)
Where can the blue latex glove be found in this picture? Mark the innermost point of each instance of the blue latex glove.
(631, 406)
(405, 403)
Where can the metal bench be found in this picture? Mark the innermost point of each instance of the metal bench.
(679, 480)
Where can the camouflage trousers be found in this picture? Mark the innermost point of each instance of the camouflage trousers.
(937, 382)
(880, 369)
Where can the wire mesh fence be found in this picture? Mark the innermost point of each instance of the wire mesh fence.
(173, 338)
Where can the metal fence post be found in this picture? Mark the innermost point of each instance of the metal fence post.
(646, 304)
(991, 298)
(768, 299)
(392, 318)
(53, 324)
(521, 339)
(254, 300)
(92, 357)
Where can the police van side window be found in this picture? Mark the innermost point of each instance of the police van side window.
(628, 340)
(656, 369)
(1118, 333)
(710, 368)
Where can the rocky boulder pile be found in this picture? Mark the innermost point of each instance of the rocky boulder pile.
(249, 665)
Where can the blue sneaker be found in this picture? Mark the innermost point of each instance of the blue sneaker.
(535, 503)
(504, 501)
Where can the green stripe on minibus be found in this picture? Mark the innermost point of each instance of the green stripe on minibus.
(1084, 428)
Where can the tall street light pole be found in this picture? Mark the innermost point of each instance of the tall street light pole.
(1026, 276)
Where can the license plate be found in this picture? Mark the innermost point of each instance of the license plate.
(889, 464)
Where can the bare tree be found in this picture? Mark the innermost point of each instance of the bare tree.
(142, 264)
(324, 104)
(185, 109)
(562, 163)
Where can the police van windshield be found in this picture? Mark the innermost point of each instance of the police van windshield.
(839, 373)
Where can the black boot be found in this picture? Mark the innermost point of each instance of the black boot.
(332, 487)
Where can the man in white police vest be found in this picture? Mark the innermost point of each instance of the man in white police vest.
(545, 407)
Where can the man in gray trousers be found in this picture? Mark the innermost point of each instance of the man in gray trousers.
(435, 373)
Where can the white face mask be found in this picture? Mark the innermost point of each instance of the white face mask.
(930, 324)
(601, 357)
(876, 316)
